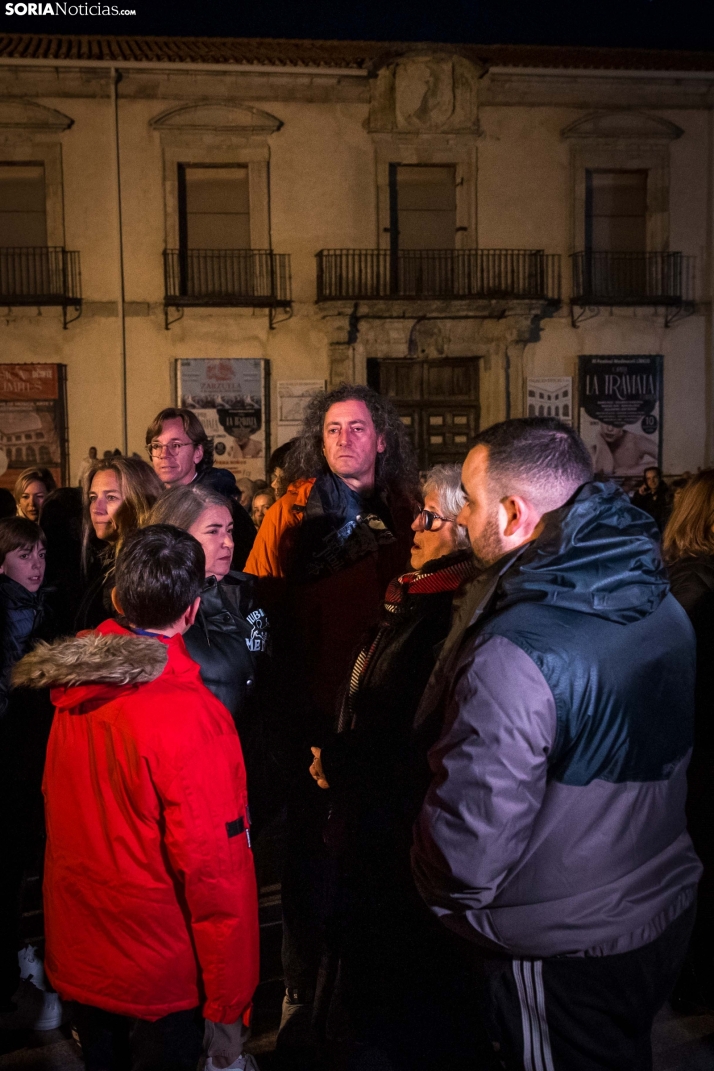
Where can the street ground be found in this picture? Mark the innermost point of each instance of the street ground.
(680, 1042)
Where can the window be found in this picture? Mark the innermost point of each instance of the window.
(214, 207)
(23, 217)
(422, 202)
(616, 211)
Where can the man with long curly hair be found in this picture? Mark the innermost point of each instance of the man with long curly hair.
(330, 545)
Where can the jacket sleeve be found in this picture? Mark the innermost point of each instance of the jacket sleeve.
(206, 820)
(490, 769)
(265, 558)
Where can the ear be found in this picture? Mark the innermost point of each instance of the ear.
(517, 514)
(2, 569)
(198, 454)
(521, 518)
(381, 444)
(192, 611)
(115, 602)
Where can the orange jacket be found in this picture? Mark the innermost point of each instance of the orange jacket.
(274, 542)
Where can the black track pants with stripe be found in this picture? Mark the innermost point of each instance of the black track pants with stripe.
(591, 1013)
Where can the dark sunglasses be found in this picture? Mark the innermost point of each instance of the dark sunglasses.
(428, 517)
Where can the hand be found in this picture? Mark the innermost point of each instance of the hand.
(316, 769)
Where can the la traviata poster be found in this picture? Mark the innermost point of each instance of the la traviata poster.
(621, 412)
(33, 423)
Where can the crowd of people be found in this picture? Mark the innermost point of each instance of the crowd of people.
(475, 701)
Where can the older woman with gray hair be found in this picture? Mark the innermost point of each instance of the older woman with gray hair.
(231, 631)
(402, 989)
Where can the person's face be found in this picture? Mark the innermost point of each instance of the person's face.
(105, 498)
(261, 505)
(276, 480)
(214, 531)
(611, 434)
(350, 441)
(25, 566)
(481, 513)
(435, 543)
(175, 464)
(652, 479)
(31, 500)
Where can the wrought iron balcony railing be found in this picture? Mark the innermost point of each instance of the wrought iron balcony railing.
(437, 273)
(40, 275)
(248, 277)
(632, 279)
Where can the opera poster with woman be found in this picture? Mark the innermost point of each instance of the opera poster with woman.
(230, 397)
(620, 402)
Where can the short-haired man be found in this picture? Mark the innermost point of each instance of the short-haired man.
(553, 836)
(182, 453)
(150, 895)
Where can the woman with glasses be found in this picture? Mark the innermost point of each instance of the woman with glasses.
(401, 987)
(117, 494)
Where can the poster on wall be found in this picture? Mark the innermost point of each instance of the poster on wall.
(621, 413)
(230, 397)
(551, 398)
(33, 421)
(293, 397)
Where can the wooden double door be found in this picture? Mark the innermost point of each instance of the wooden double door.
(438, 401)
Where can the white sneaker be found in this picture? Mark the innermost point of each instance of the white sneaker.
(36, 1010)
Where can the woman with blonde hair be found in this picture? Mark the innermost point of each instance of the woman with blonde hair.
(688, 545)
(31, 489)
(117, 494)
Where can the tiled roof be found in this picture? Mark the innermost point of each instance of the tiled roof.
(355, 54)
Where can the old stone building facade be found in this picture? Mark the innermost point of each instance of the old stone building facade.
(445, 223)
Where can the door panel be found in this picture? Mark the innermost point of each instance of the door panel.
(438, 400)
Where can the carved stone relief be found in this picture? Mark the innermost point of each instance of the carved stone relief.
(425, 93)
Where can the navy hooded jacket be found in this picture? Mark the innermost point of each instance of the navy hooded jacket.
(555, 822)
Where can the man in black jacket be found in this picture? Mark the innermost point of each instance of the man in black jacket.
(182, 453)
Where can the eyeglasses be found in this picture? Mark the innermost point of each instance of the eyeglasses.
(426, 518)
(172, 448)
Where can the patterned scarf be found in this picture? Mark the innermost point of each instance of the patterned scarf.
(436, 576)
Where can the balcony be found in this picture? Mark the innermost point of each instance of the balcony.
(256, 278)
(363, 274)
(41, 275)
(665, 279)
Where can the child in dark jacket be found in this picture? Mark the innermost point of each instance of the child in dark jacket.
(25, 719)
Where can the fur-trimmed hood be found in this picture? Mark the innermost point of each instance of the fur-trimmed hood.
(96, 658)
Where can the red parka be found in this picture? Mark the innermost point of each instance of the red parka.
(150, 893)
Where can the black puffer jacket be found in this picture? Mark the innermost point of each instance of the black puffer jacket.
(25, 714)
(230, 642)
(23, 618)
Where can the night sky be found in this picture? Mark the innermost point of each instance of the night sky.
(687, 24)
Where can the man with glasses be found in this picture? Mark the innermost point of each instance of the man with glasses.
(182, 453)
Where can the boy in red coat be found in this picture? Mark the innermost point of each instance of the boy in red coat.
(150, 895)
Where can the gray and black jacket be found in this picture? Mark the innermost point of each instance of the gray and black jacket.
(555, 822)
